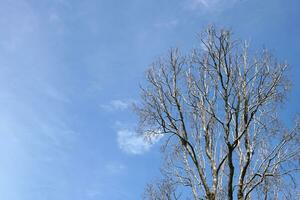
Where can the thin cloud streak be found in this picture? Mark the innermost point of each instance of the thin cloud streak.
(117, 105)
(209, 5)
(115, 167)
(167, 24)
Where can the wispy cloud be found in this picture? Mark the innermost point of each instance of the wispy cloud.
(117, 105)
(114, 167)
(55, 94)
(93, 193)
(166, 24)
(133, 143)
(209, 5)
(205, 3)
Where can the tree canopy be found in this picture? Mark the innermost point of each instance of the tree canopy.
(218, 110)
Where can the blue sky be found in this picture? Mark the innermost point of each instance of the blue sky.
(70, 69)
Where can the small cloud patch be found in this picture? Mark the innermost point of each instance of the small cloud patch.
(132, 143)
(117, 105)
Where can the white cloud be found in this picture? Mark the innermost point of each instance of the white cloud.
(132, 143)
(117, 105)
(210, 5)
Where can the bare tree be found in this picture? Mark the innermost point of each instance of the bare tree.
(218, 108)
(164, 189)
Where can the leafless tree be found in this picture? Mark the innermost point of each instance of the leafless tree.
(218, 110)
(162, 190)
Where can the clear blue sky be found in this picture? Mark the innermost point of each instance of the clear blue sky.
(69, 69)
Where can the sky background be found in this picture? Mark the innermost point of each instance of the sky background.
(70, 69)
